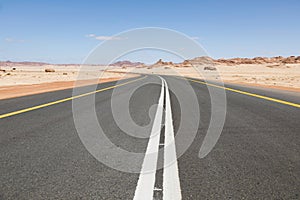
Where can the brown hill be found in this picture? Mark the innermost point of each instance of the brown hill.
(205, 60)
(28, 63)
(259, 60)
(160, 62)
(126, 63)
(10, 63)
(201, 60)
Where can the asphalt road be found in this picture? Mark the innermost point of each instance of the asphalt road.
(257, 155)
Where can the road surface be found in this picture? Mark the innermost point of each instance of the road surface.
(256, 157)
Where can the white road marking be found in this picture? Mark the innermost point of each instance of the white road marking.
(157, 189)
(171, 183)
(145, 185)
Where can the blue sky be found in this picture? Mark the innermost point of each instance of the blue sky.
(56, 31)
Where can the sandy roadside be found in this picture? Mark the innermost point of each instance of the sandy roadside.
(280, 77)
(7, 92)
(27, 80)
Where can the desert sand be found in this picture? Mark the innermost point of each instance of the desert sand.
(19, 79)
(31, 78)
(279, 73)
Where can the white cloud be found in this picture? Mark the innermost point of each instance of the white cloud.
(13, 40)
(91, 35)
(102, 37)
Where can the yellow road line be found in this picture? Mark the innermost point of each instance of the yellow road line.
(64, 100)
(249, 94)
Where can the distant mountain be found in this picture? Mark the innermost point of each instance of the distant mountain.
(127, 63)
(187, 63)
(260, 60)
(28, 63)
(10, 63)
(205, 60)
(160, 62)
(200, 60)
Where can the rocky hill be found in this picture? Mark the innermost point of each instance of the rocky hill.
(28, 63)
(10, 63)
(260, 60)
(127, 63)
(205, 60)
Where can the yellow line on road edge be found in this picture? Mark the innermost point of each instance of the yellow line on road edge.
(249, 94)
(64, 100)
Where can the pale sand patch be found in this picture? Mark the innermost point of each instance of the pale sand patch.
(284, 77)
(23, 90)
(28, 80)
(272, 75)
(33, 79)
(27, 75)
